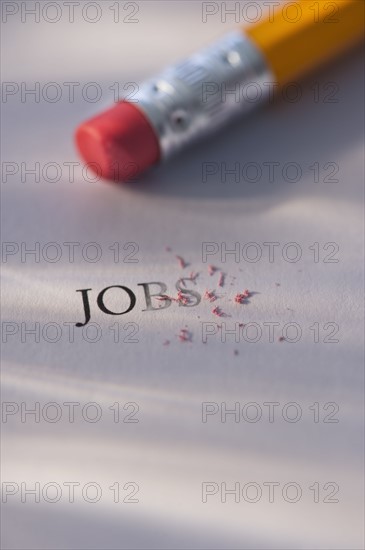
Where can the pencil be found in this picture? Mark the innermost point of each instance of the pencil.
(201, 94)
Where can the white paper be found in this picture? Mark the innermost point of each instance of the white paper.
(170, 452)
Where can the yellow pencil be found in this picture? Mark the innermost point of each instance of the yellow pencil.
(202, 93)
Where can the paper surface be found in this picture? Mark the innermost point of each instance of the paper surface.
(171, 452)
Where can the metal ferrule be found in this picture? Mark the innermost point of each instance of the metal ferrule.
(202, 93)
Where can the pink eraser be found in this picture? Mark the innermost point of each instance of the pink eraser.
(119, 144)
